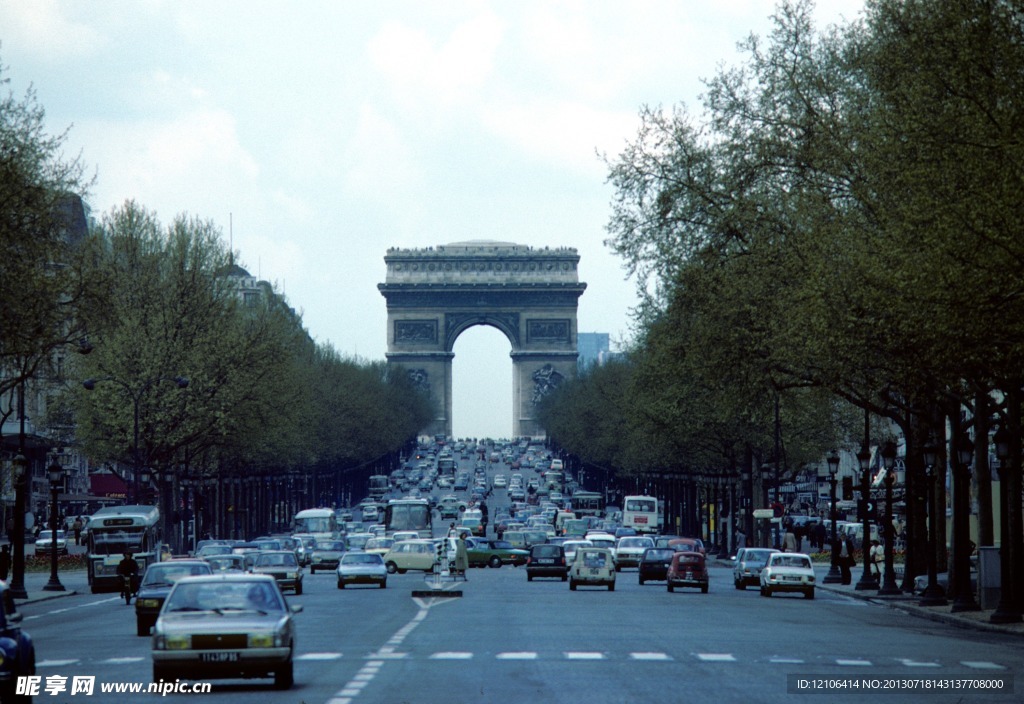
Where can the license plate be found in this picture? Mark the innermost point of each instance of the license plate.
(689, 575)
(218, 657)
(546, 561)
(593, 570)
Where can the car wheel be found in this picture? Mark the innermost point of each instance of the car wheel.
(298, 589)
(285, 677)
(611, 587)
(565, 577)
(738, 584)
(392, 567)
(141, 627)
(703, 589)
(572, 585)
(529, 577)
(809, 594)
(768, 591)
(670, 587)
(384, 584)
(494, 562)
(641, 581)
(341, 585)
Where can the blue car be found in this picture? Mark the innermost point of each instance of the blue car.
(17, 652)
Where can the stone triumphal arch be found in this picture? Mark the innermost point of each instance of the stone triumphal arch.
(435, 294)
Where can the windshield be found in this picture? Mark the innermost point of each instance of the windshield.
(362, 558)
(320, 524)
(117, 542)
(407, 516)
(236, 595)
(169, 574)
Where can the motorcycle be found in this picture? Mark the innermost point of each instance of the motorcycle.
(129, 587)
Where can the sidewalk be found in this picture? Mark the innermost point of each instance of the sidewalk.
(74, 582)
(909, 603)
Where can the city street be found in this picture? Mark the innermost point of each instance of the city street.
(507, 640)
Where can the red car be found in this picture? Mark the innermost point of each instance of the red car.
(688, 569)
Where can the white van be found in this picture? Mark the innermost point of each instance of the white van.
(855, 531)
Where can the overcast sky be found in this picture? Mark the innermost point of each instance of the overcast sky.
(327, 132)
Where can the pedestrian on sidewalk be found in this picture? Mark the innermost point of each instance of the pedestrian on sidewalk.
(846, 561)
(875, 555)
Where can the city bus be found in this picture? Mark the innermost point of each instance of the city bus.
(640, 513)
(115, 530)
(553, 481)
(321, 523)
(408, 514)
(588, 503)
(379, 485)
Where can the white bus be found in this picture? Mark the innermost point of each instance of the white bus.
(408, 514)
(640, 513)
(115, 530)
(321, 523)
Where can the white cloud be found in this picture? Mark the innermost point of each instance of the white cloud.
(46, 23)
(439, 73)
(377, 162)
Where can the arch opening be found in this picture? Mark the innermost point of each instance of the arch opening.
(482, 382)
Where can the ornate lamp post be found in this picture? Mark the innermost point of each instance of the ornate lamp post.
(56, 473)
(17, 585)
(960, 574)
(186, 484)
(867, 580)
(748, 504)
(1008, 609)
(766, 476)
(834, 576)
(934, 595)
(889, 586)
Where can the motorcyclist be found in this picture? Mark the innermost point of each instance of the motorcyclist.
(128, 569)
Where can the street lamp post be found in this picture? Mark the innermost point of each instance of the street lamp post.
(933, 595)
(56, 473)
(834, 576)
(960, 574)
(766, 475)
(889, 586)
(17, 585)
(1008, 609)
(867, 580)
(136, 397)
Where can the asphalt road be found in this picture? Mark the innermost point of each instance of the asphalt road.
(506, 640)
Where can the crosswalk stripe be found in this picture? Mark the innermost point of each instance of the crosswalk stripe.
(716, 657)
(318, 656)
(786, 661)
(850, 662)
(584, 656)
(915, 663)
(981, 665)
(120, 661)
(526, 655)
(650, 656)
(454, 655)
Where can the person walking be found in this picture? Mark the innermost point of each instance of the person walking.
(876, 555)
(461, 557)
(846, 561)
(789, 539)
(5, 561)
(77, 528)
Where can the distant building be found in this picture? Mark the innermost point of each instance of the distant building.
(593, 347)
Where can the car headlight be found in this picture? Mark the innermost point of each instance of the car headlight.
(261, 640)
(291, 575)
(163, 642)
(810, 578)
(148, 603)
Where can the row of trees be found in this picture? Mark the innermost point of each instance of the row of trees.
(152, 302)
(839, 227)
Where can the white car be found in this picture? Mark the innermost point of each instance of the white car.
(45, 542)
(500, 482)
(629, 550)
(788, 572)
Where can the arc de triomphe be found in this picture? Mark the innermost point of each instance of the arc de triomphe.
(529, 294)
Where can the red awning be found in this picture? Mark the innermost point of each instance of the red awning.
(109, 485)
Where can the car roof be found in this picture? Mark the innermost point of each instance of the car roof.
(227, 577)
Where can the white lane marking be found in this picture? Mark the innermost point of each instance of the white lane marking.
(916, 663)
(650, 656)
(56, 663)
(584, 656)
(70, 608)
(452, 655)
(786, 661)
(981, 665)
(121, 661)
(716, 657)
(318, 656)
(520, 655)
(850, 662)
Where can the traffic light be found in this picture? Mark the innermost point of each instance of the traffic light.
(847, 488)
